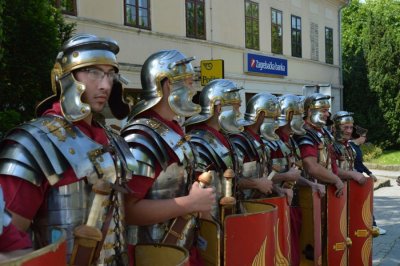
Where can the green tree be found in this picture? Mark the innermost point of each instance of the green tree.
(1, 29)
(371, 106)
(382, 52)
(32, 33)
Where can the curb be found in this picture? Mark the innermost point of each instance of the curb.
(389, 167)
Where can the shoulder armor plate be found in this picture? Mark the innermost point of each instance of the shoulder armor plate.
(211, 150)
(149, 140)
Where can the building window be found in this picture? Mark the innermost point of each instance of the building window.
(276, 31)
(137, 13)
(252, 25)
(195, 19)
(296, 36)
(67, 6)
(328, 45)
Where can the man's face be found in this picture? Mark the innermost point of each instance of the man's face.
(324, 114)
(346, 129)
(98, 80)
(318, 117)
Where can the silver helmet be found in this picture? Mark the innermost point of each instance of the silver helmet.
(267, 103)
(80, 51)
(315, 103)
(223, 92)
(341, 118)
(174, 66)
(292, 112)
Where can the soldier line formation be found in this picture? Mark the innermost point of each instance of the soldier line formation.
(274, 187)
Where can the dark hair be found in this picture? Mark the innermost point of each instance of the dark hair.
(358, 132)
(329, 121)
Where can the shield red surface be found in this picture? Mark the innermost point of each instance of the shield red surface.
(249, 238)
(336, 223)
(53, 254)
(310, 237)
(282, 229)
(360, 206)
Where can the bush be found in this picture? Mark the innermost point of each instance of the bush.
(8, 120)
(370, 151)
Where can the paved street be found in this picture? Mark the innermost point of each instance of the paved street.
(386, 248)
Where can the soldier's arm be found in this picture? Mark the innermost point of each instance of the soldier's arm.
(311, 165)
(262, 184)
(149, 211)
(292, 175)
(356, 176)
(320, 188)
(319, 172)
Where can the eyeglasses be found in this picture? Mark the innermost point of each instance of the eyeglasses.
(98, 75)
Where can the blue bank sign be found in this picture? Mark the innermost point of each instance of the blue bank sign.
(261, 64)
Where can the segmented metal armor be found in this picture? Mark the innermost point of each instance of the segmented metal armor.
(251, 151)
(150, 139)
(44, 149)
(213, 154)
(322, 137)
(345, 153)
(48, 147)
(256, 164)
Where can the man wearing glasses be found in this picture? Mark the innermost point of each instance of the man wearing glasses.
(62, 169)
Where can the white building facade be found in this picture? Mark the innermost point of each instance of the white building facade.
(276, 46)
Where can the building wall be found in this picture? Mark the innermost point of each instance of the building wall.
(225, 39)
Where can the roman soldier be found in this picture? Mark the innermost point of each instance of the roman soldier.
(166, 200)
(65, 169)
(319, 166)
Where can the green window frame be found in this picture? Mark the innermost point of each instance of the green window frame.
(328, 45)
(276, 31)
(195, 19)
(137, 14)
(252, 27)
(296, 36)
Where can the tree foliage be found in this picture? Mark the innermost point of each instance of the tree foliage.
(371, 49)
(31, 34)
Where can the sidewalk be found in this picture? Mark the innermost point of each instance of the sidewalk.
(386, 248)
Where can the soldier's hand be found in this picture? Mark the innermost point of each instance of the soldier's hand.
(373, 177)
(359, 178)
(264, 185)
(339, 188)
(289, 195)
(201, 199)
(294, 174)
(320, 189)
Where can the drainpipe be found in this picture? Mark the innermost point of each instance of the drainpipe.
(340, 52)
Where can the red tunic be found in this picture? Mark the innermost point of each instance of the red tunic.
(312, 150)
(27, 199)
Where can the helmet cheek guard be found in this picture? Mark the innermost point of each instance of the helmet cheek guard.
(171, 65)
(314, 104)
(291, 112)
(223, 92)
